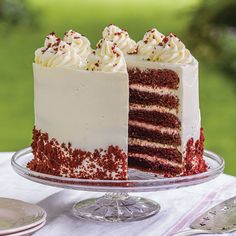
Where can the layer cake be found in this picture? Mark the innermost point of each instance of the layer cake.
(124, 104)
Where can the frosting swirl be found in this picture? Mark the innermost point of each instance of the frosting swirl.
(150, 39)
(50, 40)
(79, 43)
(107, 57)
(120, 37)
(56, 53)
(171, 50)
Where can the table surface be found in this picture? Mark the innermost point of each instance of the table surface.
(178, 207)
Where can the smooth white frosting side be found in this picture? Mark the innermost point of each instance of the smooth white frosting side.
(89, 109)
(188, 93)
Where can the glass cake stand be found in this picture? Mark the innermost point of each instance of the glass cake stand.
(116, 205)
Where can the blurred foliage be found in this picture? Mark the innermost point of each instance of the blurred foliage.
(212, 33)
(17, 12)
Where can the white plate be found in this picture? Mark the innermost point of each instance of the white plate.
(28, 231)
(17, 216)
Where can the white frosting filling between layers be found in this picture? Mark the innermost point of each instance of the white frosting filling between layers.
(155, 159)
(145, 143)
(149, 89)
(161, 129)
(152, 108)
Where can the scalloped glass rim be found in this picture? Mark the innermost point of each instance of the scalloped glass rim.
(140, 184)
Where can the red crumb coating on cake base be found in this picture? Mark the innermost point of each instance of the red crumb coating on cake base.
(194, 162)
(53, 158)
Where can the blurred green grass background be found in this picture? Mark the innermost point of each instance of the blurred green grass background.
(17, 46)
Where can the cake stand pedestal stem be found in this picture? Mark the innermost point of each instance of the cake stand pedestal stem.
(116, 207)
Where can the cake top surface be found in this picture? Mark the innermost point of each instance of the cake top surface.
(74, 50)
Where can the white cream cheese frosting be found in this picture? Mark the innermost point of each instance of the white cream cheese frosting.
(89, 109)
(58, 53)
(171, 50)
(107, 57)
(158, 48)
(120, 37)
(150, 39)
(79, 43)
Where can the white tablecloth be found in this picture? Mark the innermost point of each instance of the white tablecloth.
(178, 207)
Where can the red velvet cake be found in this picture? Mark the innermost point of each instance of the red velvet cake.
(124, 104)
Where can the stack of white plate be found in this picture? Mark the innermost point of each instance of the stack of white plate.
(20, 218)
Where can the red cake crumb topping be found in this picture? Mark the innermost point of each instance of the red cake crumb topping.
(194, 156)
(165, 40)
(53, 158)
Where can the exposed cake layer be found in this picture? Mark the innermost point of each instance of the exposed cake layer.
(171, 154)
(147, 98)
(163, 117)
(51, 157)
(153, 114)
(165, 162)
(154, 78)
(155, 118)
(154, 136)
(181, 100)
(155, 165)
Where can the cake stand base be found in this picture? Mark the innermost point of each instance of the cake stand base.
(116, 207)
